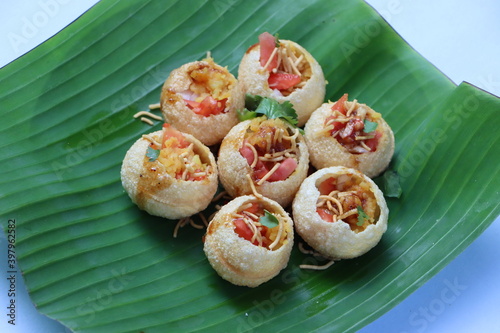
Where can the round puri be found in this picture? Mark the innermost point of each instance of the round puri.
(335, 240)
(209, 130)
(160, 194)
(305, 100)
(233, 168)
(326, 151)
(237, 260)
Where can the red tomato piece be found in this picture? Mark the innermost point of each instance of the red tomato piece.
(267, 43)
(283, 81)
(247, 153)
(211, 106)
(337, 125)
(325, 214)
(208, 106)
(241, 228)
(327, 186)
(340, 105)
(284, 170)
(256, 209)
(260, 170)
(373, 143)
(192, 104)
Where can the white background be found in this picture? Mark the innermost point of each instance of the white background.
(460, 37)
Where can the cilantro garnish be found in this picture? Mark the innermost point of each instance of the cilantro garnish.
(277, 38)
(258, 105)
(252, 101)
(362, 217)
(272, 109)
(152, 154)
(392, 188)
(269, 220)
(370, 126)
(246, 115)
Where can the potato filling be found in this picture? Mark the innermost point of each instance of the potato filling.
(347, 198)
(210, 88)
(270, 148)
(289, 69)
(178, 157)
(248, 224)
(354, 126)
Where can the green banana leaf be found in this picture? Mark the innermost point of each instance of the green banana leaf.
(93, 261)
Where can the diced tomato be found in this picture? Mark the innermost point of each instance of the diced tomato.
(325, 214)
(192, 104)
(267, 43)
(284, 170)
(327, 186)
(337, 125)
(247, 153)
(241, 228)
(283, 81)
(211, 106)
(373, 143)
(170, 132)
(255, 208)
(221, 105)
(340, 105)
(260, 170)
(208, 106)
(244, 231)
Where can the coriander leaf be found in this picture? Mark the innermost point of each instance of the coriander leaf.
(252, 101)
(245, 114)
(277, 38)
(272, 109)
(268, 107)
(152, 154)
(370, 126)
(269, 220)
(289, 113)
(362, 217)
(392, 188)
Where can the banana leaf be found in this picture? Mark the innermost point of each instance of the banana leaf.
(93, 261)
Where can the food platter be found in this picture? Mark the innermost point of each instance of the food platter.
(85, 240)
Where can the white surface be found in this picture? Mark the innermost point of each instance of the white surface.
(460, 37)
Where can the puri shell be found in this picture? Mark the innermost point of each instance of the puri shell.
(161, 194)
(237, 260)
(233, 169)
(209, 130)
(305, 100)
(335, 240)
(326, 151)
